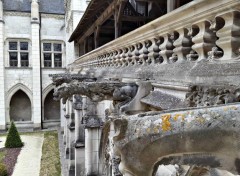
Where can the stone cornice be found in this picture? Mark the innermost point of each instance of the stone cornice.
(12, 13)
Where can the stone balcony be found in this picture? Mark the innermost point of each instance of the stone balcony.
(196, 43)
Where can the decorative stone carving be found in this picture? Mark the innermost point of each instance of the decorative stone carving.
(77, 103)
(120, 93)
(59, 79)
(92, 121)
(115, 165)
(215, 53)
(209, 96)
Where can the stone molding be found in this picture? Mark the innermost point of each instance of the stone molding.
(24, 14)
(56, 16)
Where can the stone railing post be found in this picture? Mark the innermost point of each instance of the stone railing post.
(79, 136)
(71, 128)
(67, 116)
(92, 138)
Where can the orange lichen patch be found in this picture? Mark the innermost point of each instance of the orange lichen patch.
(183, 118)
(166, 125)
(176, 116)
(226, 108)
(156, 129)
(148, 130)
(234, 108)
(200, 119)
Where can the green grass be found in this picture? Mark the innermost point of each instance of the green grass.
(2, 155)
(50, 162)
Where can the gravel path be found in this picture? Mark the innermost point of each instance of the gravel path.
(29, 159)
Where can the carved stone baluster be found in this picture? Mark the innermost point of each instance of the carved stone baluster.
(140, 48)
(143, 53)
(182, 45)
(119, 59)
(110, 59)
(136, 54)
(130, 53)
(146, 57)
(166, 48)
(114, 61)
(154, 51)
(205, 39)
(124, 56)
(229, 35)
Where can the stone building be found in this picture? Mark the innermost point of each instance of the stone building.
(33, 45)
(155, 90)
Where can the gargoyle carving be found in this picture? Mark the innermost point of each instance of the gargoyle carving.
(209, 96)
(120, 93)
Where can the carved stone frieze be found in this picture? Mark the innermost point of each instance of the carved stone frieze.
(209, 96)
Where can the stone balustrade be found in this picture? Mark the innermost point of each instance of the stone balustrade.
(198, 31)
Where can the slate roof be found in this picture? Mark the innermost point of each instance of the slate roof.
(45, 6)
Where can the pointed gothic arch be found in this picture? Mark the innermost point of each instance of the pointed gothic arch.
(51, 108)
(19, 103)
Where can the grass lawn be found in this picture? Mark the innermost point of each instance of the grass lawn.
(50, 162)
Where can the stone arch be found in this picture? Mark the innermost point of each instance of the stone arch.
(19, 103)
(50, 107)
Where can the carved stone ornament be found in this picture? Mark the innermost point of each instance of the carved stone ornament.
(92, 121)
(119, 92)
(59, 79)
(209, 96)
(115, 165)
(77, 103)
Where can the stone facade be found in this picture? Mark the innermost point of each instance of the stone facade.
(33, 44)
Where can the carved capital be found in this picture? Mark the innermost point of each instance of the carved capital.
(92, 121)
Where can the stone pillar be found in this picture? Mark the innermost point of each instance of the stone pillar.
(92, 139)
(79, 136)
(67, 117)
(63, 121)
(170, 5)
(71, 128)
(36, 65)
(2, 72)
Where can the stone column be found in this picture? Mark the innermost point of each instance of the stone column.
(79, 136)
(67, 116)
(170, 5)
(36, 66)
(92, 139)
(63, 121)
(2, 72)
(71, 128)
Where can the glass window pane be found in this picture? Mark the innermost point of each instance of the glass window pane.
(24, 56)
(47, 56)
(13, 55)
(13, 61)
(57, 47)
(57, 57)
(47, 47)
(24, 45)
(57, 60)
(12, 45)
